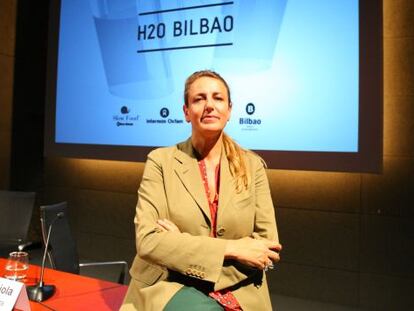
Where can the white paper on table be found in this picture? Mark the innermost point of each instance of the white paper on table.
(13, 295)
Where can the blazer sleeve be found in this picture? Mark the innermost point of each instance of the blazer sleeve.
(198, 256)
(264, 224)
(265, 221)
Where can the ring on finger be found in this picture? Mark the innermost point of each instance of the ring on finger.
(269, 267)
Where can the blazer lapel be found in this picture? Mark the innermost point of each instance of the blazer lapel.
(187, 170)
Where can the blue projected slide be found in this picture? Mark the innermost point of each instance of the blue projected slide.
(292, 66)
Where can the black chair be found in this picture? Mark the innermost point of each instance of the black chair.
(16, 208)
(62, 251)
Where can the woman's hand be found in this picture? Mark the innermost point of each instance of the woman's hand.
(257, 253)
(166, 225)
(260, 254)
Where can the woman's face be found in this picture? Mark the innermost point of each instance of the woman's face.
(208, 107)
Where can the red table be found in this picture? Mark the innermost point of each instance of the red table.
(74, 292)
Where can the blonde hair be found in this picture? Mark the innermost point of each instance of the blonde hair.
(235, 154)
(237, 162)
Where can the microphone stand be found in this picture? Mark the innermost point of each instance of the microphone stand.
(41, 292)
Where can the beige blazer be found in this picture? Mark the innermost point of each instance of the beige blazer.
(172, 188)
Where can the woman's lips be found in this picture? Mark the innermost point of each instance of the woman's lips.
(210, 118)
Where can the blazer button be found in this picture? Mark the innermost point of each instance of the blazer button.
(221, 231)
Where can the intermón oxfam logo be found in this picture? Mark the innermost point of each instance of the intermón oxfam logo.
(164, 112)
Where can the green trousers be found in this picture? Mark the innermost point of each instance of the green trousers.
(190, 299)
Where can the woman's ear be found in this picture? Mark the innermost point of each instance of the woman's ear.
(185, 109)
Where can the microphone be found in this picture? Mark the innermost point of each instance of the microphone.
(41, 292)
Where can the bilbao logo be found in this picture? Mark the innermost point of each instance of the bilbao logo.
(250, 123)
(250, 109)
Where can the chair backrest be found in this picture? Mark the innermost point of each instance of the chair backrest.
(16, 208)
(62, 247)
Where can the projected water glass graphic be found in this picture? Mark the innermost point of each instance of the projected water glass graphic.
(254, 37)
(17, 266)
(129, 74)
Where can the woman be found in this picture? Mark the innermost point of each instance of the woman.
(205, 224)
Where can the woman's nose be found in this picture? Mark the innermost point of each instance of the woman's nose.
(209, 104)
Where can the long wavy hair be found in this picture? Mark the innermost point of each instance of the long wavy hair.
(235, 153)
